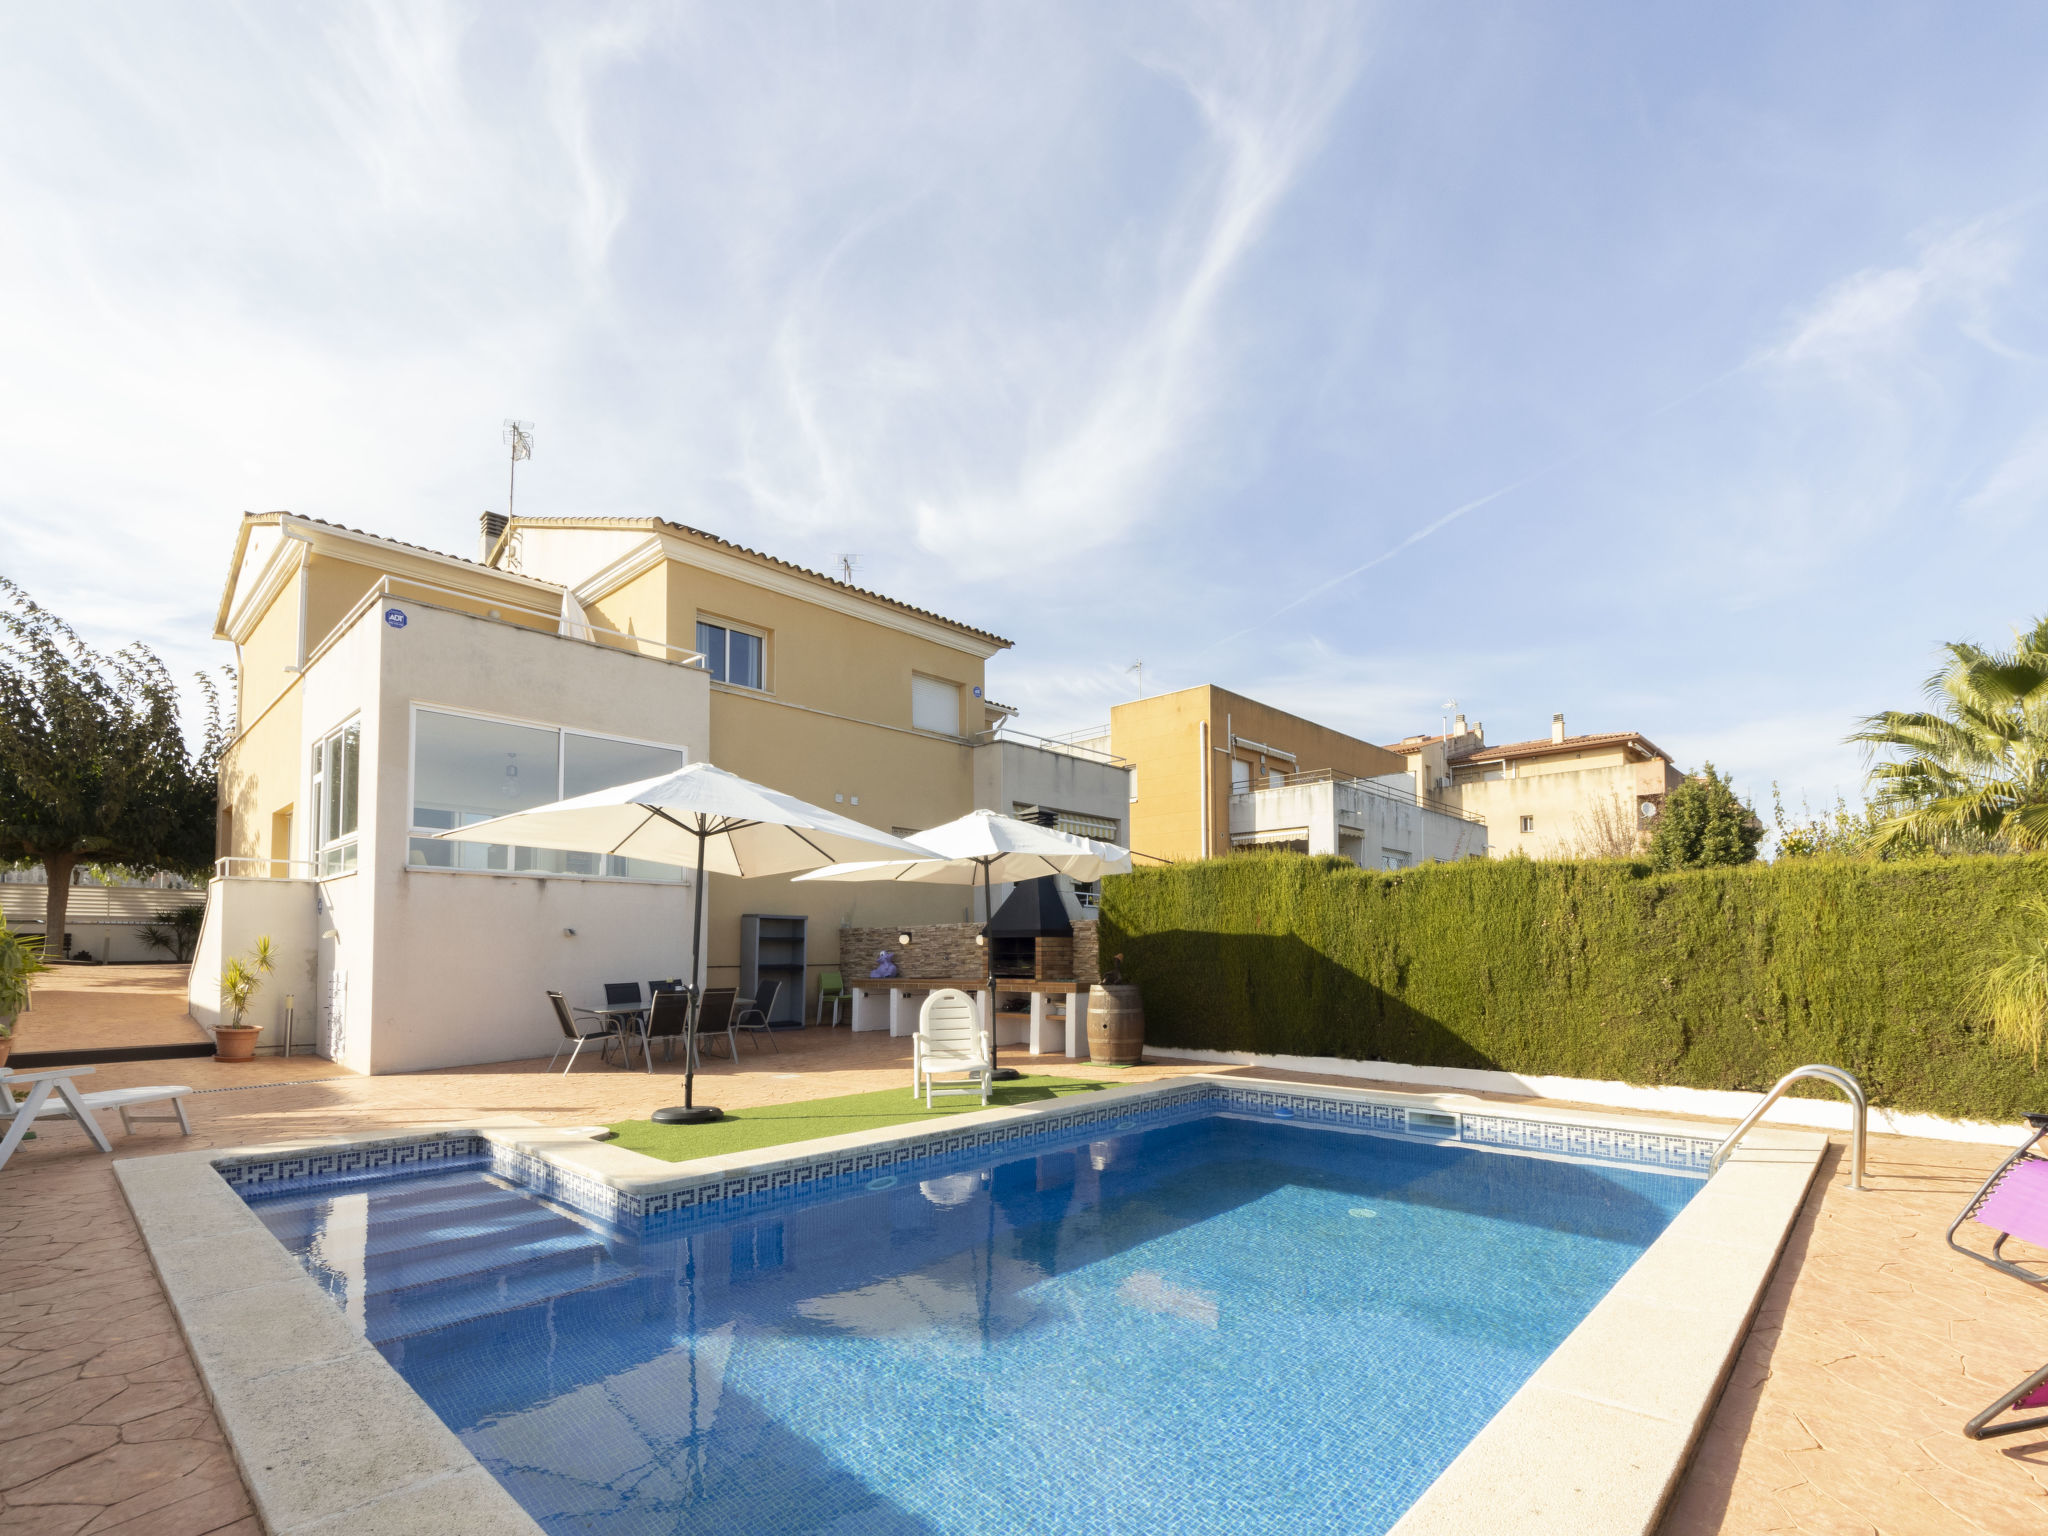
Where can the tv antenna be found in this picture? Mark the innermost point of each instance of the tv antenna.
(1450, 709)
(519, 437)
(1139, 668)
(849, 567)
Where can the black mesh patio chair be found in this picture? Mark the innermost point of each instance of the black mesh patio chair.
(581, 1025)
(754, 1022)
(667, 1021)
(714, 1017)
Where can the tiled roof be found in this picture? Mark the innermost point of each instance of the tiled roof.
(787, 565)
(385, 538)
(1543, 746)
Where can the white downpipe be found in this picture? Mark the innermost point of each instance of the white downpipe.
(1203, 727)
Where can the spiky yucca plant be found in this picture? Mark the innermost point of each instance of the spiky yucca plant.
(240, 979)
(1974, 775)
(2014, 992)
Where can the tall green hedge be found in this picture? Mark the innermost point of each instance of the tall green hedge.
(1722, 978)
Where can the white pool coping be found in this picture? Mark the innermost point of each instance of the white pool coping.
(330, 1438)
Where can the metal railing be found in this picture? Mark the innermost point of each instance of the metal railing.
(1059, 744)
(1834, 1077)
(384, 590)
(225, 867)
(1362, 786)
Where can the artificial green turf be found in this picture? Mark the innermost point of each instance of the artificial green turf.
(748, 1130)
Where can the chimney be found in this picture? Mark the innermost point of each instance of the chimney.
(489, 527)
(1557, 729)
(1458, 726)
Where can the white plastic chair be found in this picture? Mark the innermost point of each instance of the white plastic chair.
(950, 1039)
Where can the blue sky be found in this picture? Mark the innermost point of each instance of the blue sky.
(1681, 371)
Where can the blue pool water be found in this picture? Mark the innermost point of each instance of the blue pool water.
(1224, 1324)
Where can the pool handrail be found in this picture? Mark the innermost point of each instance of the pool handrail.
(1833, 1076)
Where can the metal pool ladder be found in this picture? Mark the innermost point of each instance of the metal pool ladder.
(1835, 1076)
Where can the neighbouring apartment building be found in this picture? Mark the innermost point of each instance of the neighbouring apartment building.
(388, 692)
(1212, 771)
(1550, 798)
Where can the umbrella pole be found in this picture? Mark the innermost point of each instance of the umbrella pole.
(690, 1113)
(997, 1073)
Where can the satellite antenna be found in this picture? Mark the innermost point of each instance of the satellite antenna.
(849, 566)
(519, 437)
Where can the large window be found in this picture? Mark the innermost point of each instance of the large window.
(466, 769)
(935, 705)
(337, 764)
(733, 655)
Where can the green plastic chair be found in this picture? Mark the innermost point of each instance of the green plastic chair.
(832, 989)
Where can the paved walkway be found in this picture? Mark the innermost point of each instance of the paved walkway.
(1873, 1345)
(94, 1007)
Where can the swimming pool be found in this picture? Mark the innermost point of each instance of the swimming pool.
(1207, 1321)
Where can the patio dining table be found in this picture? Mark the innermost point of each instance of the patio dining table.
(640, 1015)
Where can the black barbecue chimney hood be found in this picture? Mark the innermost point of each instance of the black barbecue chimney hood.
(1034, 911)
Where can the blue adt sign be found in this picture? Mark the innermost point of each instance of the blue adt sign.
(395, 617)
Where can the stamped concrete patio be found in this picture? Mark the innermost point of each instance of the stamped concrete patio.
(1872, 1346)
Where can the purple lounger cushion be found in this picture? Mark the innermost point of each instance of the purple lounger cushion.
(2020, 1203)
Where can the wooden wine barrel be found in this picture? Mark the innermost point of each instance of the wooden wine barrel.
(1116, 1025)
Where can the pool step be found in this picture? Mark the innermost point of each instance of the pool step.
(429, 1251)
(395, 1314)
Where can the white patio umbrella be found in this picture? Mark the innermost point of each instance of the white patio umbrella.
(700, 815)
(988, 846)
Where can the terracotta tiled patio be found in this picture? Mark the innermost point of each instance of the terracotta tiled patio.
(1872, 1346)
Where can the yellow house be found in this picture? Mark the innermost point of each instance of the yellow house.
(1555, 797)
(837, 695)
(1212, 770)
(387, 693)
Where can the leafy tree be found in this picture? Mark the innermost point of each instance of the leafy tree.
(1841, 832)
(1972, 775)
(1702, 824)
(93, 765)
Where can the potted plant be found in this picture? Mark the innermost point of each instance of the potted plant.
(233, 1038)
(21, 956)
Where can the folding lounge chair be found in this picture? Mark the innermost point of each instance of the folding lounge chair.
(950, 1039)
(2013, 1202)
(53, 1094)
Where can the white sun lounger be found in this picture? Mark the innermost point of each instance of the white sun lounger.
(950, 1039)
(56, 1084)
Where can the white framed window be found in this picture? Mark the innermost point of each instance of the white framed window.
(1528, 823)
(469, 768)
(934, 704)
(735, 656)
(337, 768)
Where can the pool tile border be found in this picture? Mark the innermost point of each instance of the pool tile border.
(648, 1198)
(1571, 1453)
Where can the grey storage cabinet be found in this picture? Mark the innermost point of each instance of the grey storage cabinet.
(772, 949)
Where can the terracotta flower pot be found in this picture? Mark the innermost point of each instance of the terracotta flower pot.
(6, 1040)
(235, 1042)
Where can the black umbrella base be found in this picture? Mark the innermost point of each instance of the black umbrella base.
(1004, 1075)
(702, 1114)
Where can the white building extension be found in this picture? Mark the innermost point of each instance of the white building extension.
(1375, 823)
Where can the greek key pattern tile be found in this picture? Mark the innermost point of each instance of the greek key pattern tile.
(1350, 1114)
(732, 1195)
(332, 1165)
(1610, 1144)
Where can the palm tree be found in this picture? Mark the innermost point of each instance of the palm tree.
(1975, 774)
